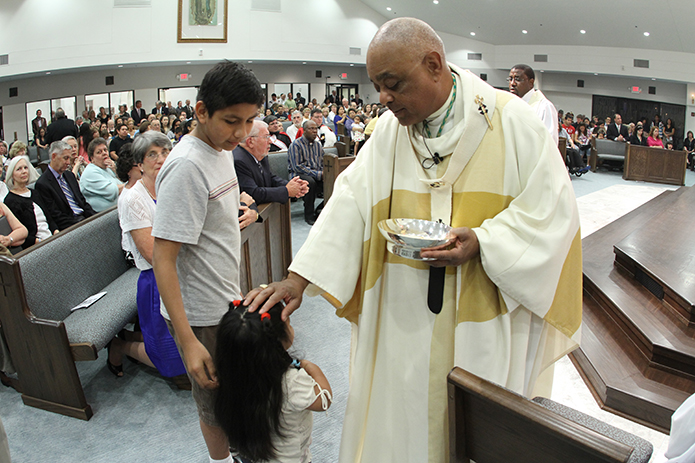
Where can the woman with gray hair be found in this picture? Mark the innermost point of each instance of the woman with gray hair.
(26, 204)
(136, 207)
(99, 183)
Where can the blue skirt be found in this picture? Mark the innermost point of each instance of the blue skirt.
(159, 344)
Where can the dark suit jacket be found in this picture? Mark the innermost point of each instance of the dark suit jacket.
(37, 123)
(612, 131)
(264, 187)
(61, 128)
(138, 115)
(55, 202)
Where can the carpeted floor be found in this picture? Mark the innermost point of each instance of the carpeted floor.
(143, 418)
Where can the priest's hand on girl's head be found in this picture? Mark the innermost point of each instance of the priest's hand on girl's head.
(460, 249)
(289, 291)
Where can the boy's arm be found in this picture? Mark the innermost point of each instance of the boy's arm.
(316, 373)
(198, 360)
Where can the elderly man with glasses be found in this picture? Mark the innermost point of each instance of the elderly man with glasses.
(253, 170)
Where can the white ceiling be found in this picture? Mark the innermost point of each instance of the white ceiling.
(614, 23)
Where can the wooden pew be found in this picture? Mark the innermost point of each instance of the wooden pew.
(42, 352)
(490, 424)
(651, 164)
(332, 167)
(266, 247)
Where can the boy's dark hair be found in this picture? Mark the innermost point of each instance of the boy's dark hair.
(251, 363)
(125, 162)
(118, 126)
(228, 84)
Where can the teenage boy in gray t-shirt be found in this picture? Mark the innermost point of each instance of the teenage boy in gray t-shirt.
(196, 229)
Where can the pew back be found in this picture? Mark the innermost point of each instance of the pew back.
(490, 424)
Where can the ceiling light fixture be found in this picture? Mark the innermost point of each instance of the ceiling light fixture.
(582, 31)
(595, 73)
(303, 62)
(473, 33)
(388, 8)
(646, 34)
(352, 64)
(250, 61)
(524, 31)
(188, 62)
(653, 78)
(436, 2)
(48, 72)
(120, 65)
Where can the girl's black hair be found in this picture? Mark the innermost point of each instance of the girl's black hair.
(251, 361)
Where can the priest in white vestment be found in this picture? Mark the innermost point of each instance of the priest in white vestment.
(521, 81)
(454, 149)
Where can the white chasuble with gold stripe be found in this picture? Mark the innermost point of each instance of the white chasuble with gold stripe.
(507, 315)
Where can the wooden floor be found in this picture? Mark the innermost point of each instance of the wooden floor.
(638, 344)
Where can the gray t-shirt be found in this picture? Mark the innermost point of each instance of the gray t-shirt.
(198, 206)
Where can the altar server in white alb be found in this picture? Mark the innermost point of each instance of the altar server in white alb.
(521, 83)
(454, 149)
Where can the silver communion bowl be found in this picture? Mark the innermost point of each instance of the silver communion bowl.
(414, 233)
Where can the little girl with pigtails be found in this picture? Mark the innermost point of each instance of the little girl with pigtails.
(265, 397)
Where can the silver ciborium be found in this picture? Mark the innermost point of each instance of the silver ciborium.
(407, 237)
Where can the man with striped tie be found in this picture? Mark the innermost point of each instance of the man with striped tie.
(60, 191)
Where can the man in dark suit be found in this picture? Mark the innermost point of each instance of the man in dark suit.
(62, 127)
(253, 170)
(160, 109)
(616, 130)
(38, 123)
(60, 191)
(138, 114)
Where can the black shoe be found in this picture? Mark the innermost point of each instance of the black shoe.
(117, 370)
(310, 220)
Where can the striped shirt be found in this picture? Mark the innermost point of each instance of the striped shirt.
(306, 158)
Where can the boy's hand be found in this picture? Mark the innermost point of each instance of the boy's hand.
(248, 217)
(199, 364)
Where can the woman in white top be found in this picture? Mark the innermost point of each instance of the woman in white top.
(136, 207)
(26, 204)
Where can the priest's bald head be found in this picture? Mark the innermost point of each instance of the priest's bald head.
(407, 65)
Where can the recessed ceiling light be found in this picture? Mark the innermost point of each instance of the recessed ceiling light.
(388, 8)
(48, 72)
(352, 64)
(472, 33)
(250, 61)
(653, 78)
(188, 62)
(646, 34)
(120, 65)
(582, 31)
(542, 70)
(524, 31)
(595, 73)
(436, 2)
(303, 62)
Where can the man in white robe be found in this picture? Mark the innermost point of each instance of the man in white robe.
(521, 81)
(452, 149)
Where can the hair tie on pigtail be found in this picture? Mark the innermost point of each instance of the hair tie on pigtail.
(265, 316)
(236, 303)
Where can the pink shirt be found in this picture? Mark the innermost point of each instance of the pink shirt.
(652, 142)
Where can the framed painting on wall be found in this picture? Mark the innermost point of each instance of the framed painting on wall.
(201, 21)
